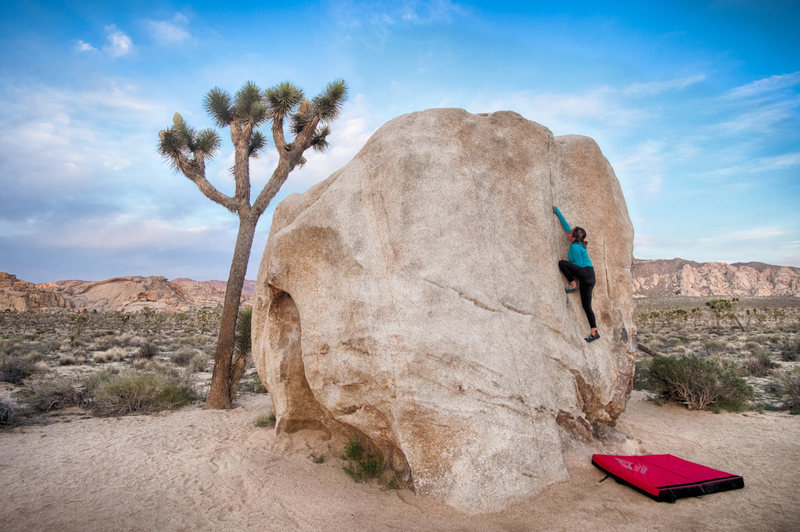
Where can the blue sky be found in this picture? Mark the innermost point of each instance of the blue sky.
(696, 105)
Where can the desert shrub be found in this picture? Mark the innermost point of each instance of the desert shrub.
(790, 351)
(8, 414)
(129, 339)
(252, 383)
(699, 383)
(147, 350)
(752, 346)
(714, 347)
(192, 341)
(198, 363)
(243, 328)
(115, 354)
(790, 390)
(760, 364)
(15, 368)
(136, 393)
(102, 358)
(361, 466)
(641, 375)
(70, 359)
(353, 450)
(371, 466)
(671, 341)
(267, 420)
(101, 344)
(183, 357)
(44, 395)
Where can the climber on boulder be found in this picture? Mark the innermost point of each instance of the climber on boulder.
(579, 269)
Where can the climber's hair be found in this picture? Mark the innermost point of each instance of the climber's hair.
(580, 235)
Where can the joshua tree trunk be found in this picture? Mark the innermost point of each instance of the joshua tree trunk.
(225, 379)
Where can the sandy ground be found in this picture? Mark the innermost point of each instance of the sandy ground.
(208, 470)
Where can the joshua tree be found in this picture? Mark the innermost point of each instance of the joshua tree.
(187, 151)
(724, 308)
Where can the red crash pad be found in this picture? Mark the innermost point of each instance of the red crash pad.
(666, 477)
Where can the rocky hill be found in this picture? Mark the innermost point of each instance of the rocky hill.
(126, 294)
(678, 277)
(651, 278)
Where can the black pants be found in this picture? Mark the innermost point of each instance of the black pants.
(586, 280)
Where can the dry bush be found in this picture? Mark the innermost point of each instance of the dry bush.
(790, 390)
(131, 340)
(115, 354)
(184, 356)
(136, 393)
(15, 368)
(790, 352)
(8, 414)
(44, 395)
(199, 363)
(71, 359)
(147, 350)
(760, 364)
(699, 383)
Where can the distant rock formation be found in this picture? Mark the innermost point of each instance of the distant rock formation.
(22, 296)
(125, 294)
(651, 278)
(414, 298)
(678, 277)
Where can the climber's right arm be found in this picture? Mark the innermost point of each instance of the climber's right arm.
(564, 223)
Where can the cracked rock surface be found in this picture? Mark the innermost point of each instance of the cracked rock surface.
(414, 298)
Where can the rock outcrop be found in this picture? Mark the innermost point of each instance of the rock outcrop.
(651, 278)
(413, 298)
(678, 277)
(125, 294)
(22, 296)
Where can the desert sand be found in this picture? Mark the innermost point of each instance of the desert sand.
(194, 469)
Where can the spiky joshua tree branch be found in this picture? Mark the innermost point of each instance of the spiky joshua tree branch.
(187, 150)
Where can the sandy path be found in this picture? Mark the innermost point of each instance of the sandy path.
(206, 470)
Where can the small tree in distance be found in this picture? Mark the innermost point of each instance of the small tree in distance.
(187, 151)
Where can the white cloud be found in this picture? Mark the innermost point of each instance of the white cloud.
(762, 106)
(765, 87)
(569, 113)
(757, 233)
(381, 18)
(652, 88)
(426, 12)
(84, 47)
(779, 162)
(762, 117)
(170, 31)
(760, 165)
(73, 137)
(641, 170)
(119, 44)
(127, 232)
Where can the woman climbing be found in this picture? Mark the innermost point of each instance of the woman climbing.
(579, 269)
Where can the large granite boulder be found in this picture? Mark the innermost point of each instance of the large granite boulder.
(414, 299)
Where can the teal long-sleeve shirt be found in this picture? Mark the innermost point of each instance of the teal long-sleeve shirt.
(577, 251)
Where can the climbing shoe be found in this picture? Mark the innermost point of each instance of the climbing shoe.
(592, 337)
(570, 289)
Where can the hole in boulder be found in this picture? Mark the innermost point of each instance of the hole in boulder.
(300, 410)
